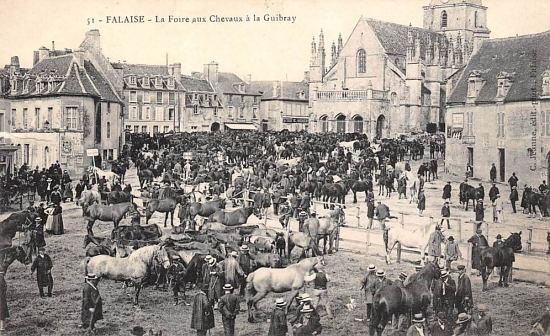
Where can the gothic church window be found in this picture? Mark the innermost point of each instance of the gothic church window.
(444, 19)
(361, 61)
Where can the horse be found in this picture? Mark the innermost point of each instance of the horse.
(108, 213)
(278, 280)
(15, 222)
(471, 193)
(418, 238)
(207, 208)
(145, 176)
(116, 197)
(9, 254)
(232, 218)
(88, 198)
(102, 246)
(167, 205)
(541, 326)
(502, 257)
(303, 241)
(413, 185)
(360, 186)
(120, 168)
(534, 199)
(414, 295)
(334, 192)
(325, 229)
(133, 269)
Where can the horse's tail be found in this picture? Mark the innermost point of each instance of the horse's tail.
(86, 260)
(250, 289)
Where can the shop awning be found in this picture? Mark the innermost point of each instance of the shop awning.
(239, 126)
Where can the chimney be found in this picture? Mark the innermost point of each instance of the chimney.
(53, 45)
(275, 89)
(92, 40)
(79, 56)
(14, 64)
(43, 53)
(306, 76)
(211, 72)
(175, 70)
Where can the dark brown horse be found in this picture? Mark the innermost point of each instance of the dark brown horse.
(8, 255)
(166, 205)
(471, 193)
(116, 197)
(502, 257)
(414, 296)
(207, 208)
(101, 246)
(232, 218)
(16, 222)
(360, 186)
(145, 176)
(335, 192)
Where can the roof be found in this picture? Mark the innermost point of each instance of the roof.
(228, 83)
(193, 84)
(142, 69)
(67, 78)
(512, 55)
(394, 37)
(285, 90)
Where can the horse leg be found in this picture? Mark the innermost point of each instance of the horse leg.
(485, 272)
(354, 196)
(172, 218)
(136, 296)
(388, 253)
(252, 303)
(89, 227)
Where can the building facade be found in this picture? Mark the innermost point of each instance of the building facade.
(65, 105)
(240, 104)
(284, 104)
(7, 149)
(499, 111)
(388, 78)
(203, 106)
(154, 98)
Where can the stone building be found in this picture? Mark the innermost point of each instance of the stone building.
(241, 105)
(499, 111)
(284, 104)
(203, 106)
(64, 105)
(154, 97)
(389, 78)
(7, 149)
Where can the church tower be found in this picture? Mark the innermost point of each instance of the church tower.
(464, 20)
(317, 59)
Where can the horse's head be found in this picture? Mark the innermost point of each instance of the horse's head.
(23, 254)
(162, 257)
(514, 241)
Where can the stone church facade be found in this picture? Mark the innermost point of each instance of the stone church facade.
(388, 78)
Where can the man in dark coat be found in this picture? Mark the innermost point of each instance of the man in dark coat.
(55, 196)
(43, 267)
(493, 192)
(278, 325)
(245, 262)
(229, 308)
(498, 243)
(447, 192)
(445, 214)
(177, 271)
(461, 191)
(514, 197)
(92, 304)
(440, 326)
(513, 181)
(202, 318)
(484, 321)
(276, 199)
(480, 212)
(444, 293)
(493, 173)
(478, 241)
(370, 211)
(463, 296)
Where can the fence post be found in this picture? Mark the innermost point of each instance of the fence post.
(469, 259)
(487, 229)
(460, 230)
(358, 216)
(530, 241)
(402, 219)
(368, 240)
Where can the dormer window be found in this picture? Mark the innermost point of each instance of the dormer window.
(158, 82)
(171, 82)
(13, 85)
(145, 81)
(475, 82)
(546, 83)
(302, 95)
(26, 86)
(504, 81)
(37, 87)
(132, 80)
(444, 19)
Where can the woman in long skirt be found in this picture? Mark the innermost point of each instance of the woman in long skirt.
(49, 221)
(58, 221)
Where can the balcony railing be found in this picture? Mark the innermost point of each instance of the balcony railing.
(351, 95)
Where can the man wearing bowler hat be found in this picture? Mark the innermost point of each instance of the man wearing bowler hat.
(229, 308)
(278, 325)
(465, 325)
(418, 327)
(92, 305)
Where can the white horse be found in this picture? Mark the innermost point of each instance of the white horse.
(413, 183)
(418, 239)
(348, 144)
(291, 162)
(133, 268)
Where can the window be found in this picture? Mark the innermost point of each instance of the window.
(155, 129)
(324, 124)
(133, 97)
(472, 88)
(500, 124)
(143, 129)
(50, 114)
(158, 82)
(545, 116)
(25, 118)
(231, 111)
(171, 82)
(111, 154)
(361, 61)
(147, 113)
(13, 113)
(165, 98)
(108, 130)
(476, 20)
(241, 114)
(171, 99)
(500, 89)
(108, 107)
(166, 129)
(132, 80)
(134, 114)
(26, 153)
(194, 127)
(469, 123)
(36, 117)
(136, 129)
(71, 118)
(444, 19)
(195, 109)
(2, 122)
(146, 97)
(546, 83)
(145, 82)
(215, 112)
(140, 113)
(128, 127)
(393, 99)
(254, 112)
(170, 114)
(159, 97)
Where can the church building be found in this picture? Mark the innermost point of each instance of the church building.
(387, 78)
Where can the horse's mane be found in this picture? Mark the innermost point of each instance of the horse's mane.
(144, 254)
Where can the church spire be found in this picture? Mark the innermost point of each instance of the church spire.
(410, 45)
(333, 54)
(340, 44)
(321, 52)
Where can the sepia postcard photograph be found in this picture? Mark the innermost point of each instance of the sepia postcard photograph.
(275, 167)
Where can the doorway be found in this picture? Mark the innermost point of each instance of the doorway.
(380, 125)
(470, 159)
(341, 124)
(358, 124)
(215, 127)
(502, 164)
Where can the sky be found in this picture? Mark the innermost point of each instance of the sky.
(266, 50)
